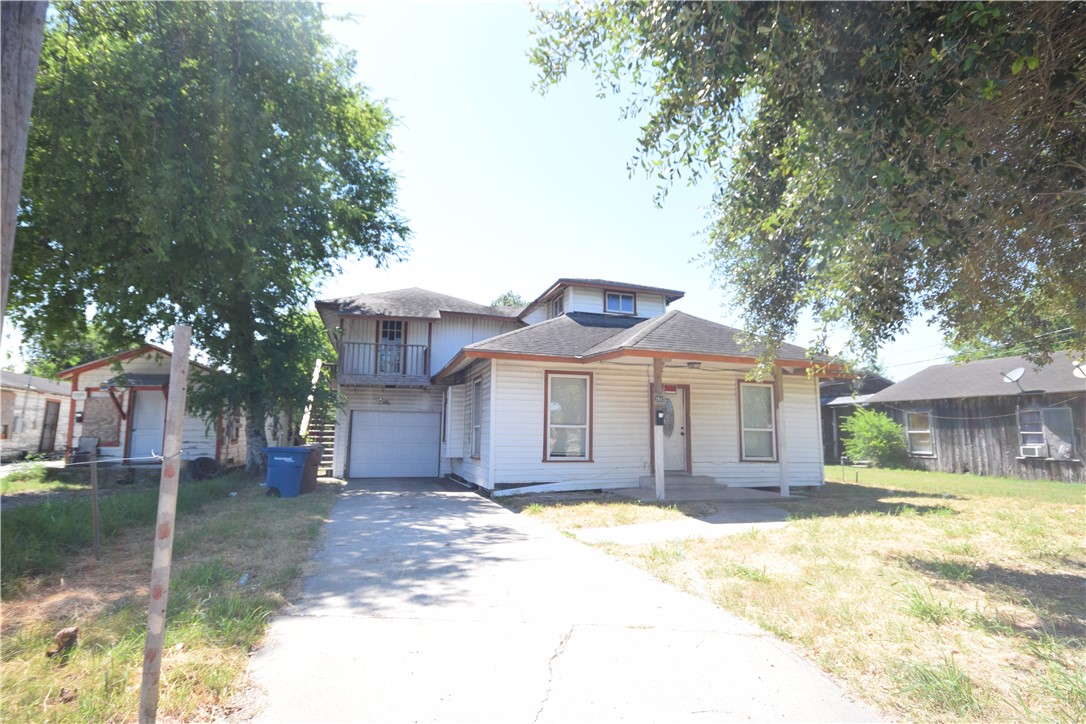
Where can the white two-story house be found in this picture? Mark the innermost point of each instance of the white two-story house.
(580, 389)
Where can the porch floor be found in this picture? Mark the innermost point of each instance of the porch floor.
(696, 488)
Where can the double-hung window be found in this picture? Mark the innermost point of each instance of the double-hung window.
(918, 433)
(569, 415)
(1046, 433)
(618, 303)
(758, 437)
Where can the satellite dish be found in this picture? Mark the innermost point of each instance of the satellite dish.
(1014, 375)
(1079, 370)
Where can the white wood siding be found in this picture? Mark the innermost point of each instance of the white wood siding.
(369, 398)
(476, 470)
(584, 299)
(454, 424)
(198, 436)
(539, 314)
(650, 305)
(23, 413)
(620, 427)
(590, 299)
(359, 330)
(453, 332)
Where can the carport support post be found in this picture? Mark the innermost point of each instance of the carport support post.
(658, 430)
(164, 530)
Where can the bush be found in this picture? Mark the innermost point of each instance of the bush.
(875, 437)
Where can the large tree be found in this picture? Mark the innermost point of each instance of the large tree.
(199, 162)
(872, 161)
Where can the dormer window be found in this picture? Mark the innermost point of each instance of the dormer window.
(557, 307)
(618, 303)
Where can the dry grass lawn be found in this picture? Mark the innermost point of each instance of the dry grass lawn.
(933, 597)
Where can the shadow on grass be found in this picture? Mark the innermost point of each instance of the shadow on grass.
(842, 499)
(1056, 598)
(572, 499)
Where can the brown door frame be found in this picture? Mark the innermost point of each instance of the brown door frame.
(685, 389)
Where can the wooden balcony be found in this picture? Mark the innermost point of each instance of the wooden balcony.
(369, 363)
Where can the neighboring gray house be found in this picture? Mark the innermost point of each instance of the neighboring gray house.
(973, 418)
(839, 398)
(33, 414)
(558, 395)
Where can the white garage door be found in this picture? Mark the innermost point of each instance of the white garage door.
(390, 444)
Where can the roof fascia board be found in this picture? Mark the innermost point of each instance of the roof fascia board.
(118, 357)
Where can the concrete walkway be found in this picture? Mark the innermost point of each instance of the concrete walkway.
(432, 604)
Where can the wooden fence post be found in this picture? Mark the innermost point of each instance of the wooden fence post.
(164, 529)
(94, 502)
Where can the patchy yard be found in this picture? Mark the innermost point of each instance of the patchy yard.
(933, 597)
(213, 622)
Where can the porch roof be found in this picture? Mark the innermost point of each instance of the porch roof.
(588, 337)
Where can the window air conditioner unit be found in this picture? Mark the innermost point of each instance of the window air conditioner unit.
(1032, 451)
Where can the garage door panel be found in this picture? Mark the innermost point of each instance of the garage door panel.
(394, 444)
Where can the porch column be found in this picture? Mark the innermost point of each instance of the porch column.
(782, 435)
(658, 430)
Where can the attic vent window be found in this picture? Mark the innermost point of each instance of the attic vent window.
(618, 303)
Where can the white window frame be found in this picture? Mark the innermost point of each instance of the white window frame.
(477, 419)
(1043, 437)
(619, 297)
(557, 306)
(743, 428)
(910, 431)
(587, 426)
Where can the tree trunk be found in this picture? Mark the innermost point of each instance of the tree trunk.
(255, 460)
(23, 26)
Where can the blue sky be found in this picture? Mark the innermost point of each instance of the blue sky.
(508, 189)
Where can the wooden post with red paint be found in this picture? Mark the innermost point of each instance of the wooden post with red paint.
(164, 529)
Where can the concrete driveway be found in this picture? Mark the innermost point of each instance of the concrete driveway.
(433, 604)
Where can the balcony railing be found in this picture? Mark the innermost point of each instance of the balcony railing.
(364, 363)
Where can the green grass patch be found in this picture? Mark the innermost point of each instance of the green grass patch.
(243, 558)
(37, 539)
(35, 477)
(942, 687)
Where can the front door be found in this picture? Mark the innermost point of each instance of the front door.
(148, 424)
(675, 430)
(49, 427)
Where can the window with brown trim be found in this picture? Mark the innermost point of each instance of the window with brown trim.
(618, 303)
(569, 415)
(757, 422)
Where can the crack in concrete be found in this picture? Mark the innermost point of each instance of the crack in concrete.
(558, 650)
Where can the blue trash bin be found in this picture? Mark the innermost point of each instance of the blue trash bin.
(285, 467)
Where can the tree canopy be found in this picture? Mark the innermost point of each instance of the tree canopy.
(508, 299)
(871, 161)
(199, 162)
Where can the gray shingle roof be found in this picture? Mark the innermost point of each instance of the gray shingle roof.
(413, 303)
(983, 378)
(580, 334)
